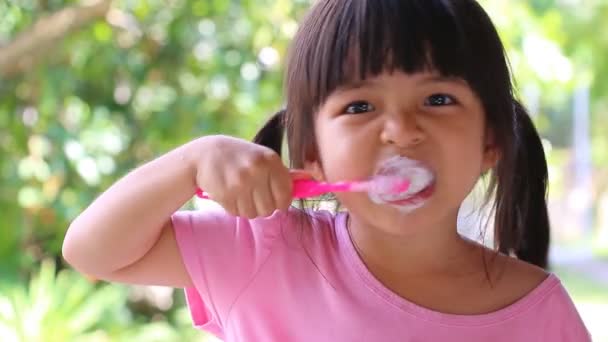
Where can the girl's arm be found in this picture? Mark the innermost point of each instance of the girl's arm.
(126, 235)
(131, 220)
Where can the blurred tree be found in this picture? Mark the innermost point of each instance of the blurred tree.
(90, 91)
(555, 48)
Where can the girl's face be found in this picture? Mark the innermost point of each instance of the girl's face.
(435, 120)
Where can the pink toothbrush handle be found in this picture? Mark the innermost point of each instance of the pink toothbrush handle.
(303, 188)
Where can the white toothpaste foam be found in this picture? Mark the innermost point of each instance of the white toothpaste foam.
(396, 168)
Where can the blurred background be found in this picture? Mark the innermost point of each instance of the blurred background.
(89, 90)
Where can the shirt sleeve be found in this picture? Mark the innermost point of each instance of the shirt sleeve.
(221, 254)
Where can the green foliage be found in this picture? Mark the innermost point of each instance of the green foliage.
(144, 79)
(60, 307)
(555, 47)
(64, 306)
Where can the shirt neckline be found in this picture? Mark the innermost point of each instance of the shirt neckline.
(372, 283)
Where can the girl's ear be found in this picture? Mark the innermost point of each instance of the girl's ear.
(491, 153)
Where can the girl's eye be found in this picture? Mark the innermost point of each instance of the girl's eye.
(439, 100)
(359, 107)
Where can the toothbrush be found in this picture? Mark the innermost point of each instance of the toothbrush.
(380, 184)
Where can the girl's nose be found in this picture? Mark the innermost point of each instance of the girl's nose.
(402, 130)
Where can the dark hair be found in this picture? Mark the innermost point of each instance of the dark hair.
(271, 134)
(347, 40)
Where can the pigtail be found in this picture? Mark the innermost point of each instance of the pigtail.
(521, 218)
(271, 134)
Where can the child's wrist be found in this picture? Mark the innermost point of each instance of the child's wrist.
(195, 152)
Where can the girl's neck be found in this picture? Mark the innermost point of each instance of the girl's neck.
(437, 250)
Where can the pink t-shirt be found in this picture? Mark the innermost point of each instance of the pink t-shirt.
(282, 278)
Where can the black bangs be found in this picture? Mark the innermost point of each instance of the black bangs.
(410, 36)
(342, 41)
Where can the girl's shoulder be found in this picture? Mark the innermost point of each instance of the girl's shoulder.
(543, 296)
(516, 282)
(517, 278)
(502, 280)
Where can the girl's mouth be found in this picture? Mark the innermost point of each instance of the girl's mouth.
(414, 199)
(421, 188)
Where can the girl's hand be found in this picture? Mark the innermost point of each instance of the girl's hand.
(247, 179)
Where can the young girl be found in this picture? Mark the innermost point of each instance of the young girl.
(368, 81)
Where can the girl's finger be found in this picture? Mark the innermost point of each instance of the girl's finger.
(245, 206)
(281, 187)
(262, 198)
(230, 206)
